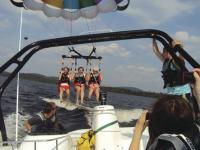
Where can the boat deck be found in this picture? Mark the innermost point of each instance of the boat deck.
(68, 141)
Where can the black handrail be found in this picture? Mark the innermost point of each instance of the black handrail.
(121, 8)
(18, 4)
(32, 48)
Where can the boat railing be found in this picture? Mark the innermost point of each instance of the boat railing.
(71, 143)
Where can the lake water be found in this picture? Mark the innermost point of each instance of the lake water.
(128, 107)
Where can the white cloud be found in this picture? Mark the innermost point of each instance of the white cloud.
(155, 12)
(5, 24)
(186, 37)
(109, 49)
(136, 68)
(8, 7)
(182, 35)
(190, 43)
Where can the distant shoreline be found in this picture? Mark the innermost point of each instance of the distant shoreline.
(122, 90)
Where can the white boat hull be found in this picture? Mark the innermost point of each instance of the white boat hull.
(108, 135)
(69, 141)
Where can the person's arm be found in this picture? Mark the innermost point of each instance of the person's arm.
(100, 76)
(35, 120)
(27, 126)
(139, 128)
(176, 43)
(71, 76)
(87, 77)
(60, 75)
(55, 123)
(196, 89)
(157, 51)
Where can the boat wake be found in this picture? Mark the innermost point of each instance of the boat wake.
(125, 117)
(10, 122)
(128, 115)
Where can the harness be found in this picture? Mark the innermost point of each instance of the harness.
(80, 79)
(42, 117)
(65, 78)
(171, 74)
(94, 78)
(179, 141)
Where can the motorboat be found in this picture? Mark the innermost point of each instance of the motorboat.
(108, 134)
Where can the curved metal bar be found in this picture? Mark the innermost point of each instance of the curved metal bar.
(82, 57)
(18, 4)
(2, 126)
(121, 8)
(172, 53)
(186, 56)
(16, 70)
(5, 84)
(32, 48)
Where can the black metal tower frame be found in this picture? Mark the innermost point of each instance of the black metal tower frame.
(80, 56)
(22, 57)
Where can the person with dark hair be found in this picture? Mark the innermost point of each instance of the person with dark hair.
(171, 71)
(64, 83)
(171, 124)
(94, 80)
(79, 84)
(44, 121)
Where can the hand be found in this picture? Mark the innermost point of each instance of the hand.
(27, 130)
(141, 121)
(176, 42)
(27, 127)
(100, 76)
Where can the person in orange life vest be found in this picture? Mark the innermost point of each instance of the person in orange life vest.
(79, 84)
(94, 79)
(64, 83)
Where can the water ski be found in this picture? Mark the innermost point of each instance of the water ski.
(88, 105)
(63, 104)
(82, 106)
(67, 104)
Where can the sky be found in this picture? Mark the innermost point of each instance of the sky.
(125, 63)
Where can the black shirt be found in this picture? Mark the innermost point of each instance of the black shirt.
(41, 124)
